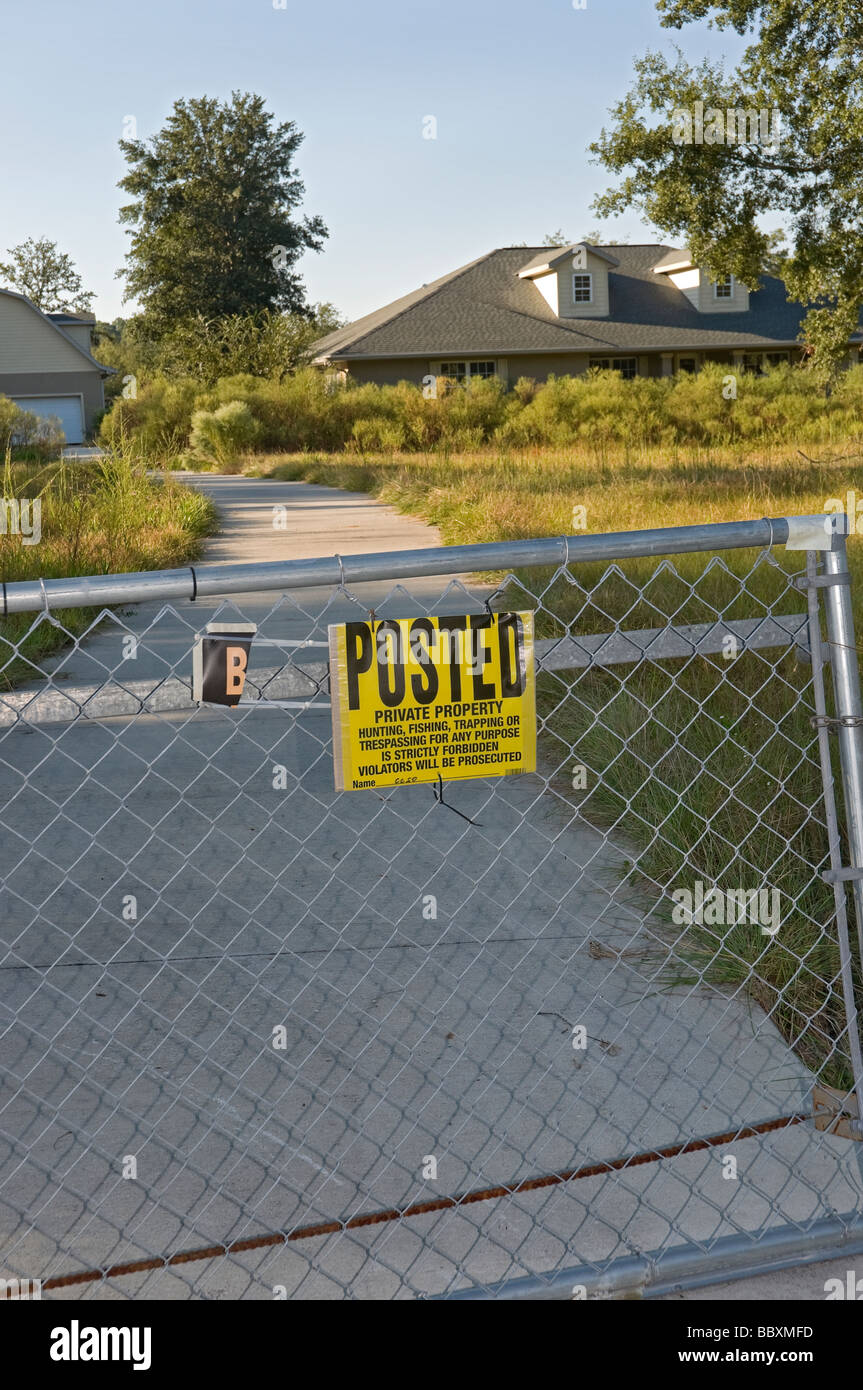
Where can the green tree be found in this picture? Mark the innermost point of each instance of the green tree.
(215, 226)
(805, 62)
(597, 237)
(265, 344)
(47, 276)
(776, 255)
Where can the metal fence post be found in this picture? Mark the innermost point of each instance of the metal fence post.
(848, 709)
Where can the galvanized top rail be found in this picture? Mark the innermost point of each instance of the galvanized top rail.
(103, 590)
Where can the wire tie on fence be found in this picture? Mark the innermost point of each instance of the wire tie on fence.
(344, 585)
(194, 584)
(5, 604)
(768, 549)
(767, 552)
(44, 596)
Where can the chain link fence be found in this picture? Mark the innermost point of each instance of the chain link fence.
(583, 1030)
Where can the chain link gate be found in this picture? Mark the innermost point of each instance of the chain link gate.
(583, 1030)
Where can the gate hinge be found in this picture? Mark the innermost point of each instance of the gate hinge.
(820, 581)
(846, 875)
(836, 1112)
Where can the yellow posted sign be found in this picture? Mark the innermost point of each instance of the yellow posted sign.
(415, 699)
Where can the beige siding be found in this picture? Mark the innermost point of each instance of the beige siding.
(709, 305)
(598, 308)
(85, 383)
(698, 288)
(541, 366)
(29, 344)
(388, 371)
(79, 333)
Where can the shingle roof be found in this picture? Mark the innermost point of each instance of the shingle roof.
(352, 332)
(550, 255)
(62, 316)
(676, 256)
(484, 307)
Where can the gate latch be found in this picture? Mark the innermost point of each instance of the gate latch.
(836, 1112)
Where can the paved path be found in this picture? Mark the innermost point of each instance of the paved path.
(320, 522)
(265, 900)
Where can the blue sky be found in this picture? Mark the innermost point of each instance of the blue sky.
(518, 89)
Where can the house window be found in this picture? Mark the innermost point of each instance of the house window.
(776, 359)
(627, 366)
(686, 364)
(752, 363)
(724, 288)
(582, 289)
(463, 371)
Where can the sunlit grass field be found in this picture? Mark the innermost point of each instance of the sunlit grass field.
(105, 516)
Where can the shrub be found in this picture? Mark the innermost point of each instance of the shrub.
(221, 435)
(8, 415)
(378, 435)
(159, 418)
(27, 435)
(302, 413)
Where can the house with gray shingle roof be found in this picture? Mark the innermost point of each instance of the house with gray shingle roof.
(536, 312)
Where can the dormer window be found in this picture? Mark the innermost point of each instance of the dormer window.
(705, 294)
(573, 280)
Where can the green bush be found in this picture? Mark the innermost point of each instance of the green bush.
(378, 436)
(28, 436)
(221, 435)
(8, 415)
(306, 412)
(158, 418)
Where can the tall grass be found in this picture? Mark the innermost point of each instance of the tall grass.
(510, 493)
(598, 412)
(104, 516)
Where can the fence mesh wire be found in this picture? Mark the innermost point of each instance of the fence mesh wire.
(265, 1039)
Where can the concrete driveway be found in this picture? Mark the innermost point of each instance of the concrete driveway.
(232, 1013)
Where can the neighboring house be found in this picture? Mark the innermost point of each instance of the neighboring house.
(46, 365)
(641, 310)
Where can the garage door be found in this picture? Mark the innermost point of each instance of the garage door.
(67, 410)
